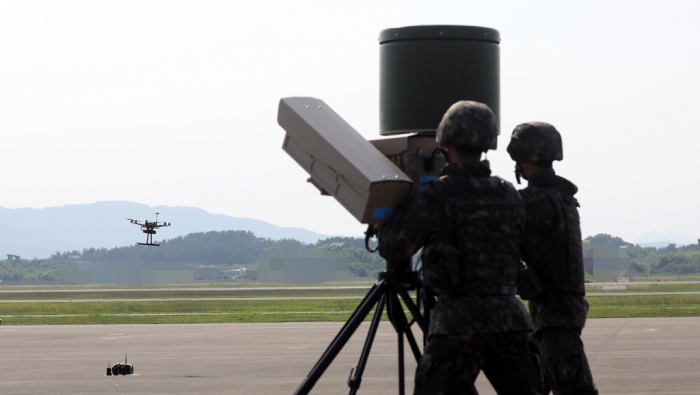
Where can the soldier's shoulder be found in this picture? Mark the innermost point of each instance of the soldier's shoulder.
(427, 192)
(533, 193)
(507, 186)
(429, 187)
(506, 191)
(566, 186)
(503, 182)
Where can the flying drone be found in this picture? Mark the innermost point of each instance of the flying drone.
(149, 228)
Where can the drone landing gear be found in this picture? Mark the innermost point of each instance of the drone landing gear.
(385, 292)
(149, 238)
(149, 228)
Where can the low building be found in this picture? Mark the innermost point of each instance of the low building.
(128, 272)
(237, 272)
(606, 262)
(209, 272)
(300, 265)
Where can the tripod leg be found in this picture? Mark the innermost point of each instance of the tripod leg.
(401, 324)
(369, 294)
(402, 385)
(417, 317)
(342, 337)
(412, 342)
(356, 374)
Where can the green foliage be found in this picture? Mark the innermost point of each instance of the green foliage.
(362, 262)
(650, 260)
(25, 270)
(639, 267)
(642, 258)
(644, 306)
(209, 248)
(677, 262)
(225, 250)
(642, 255)
(604, 238)
(348, 242)
(229, 248)
(54, 293)
(273, 309)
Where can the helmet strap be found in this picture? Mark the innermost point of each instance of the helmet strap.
(518, 171)
(444, 153)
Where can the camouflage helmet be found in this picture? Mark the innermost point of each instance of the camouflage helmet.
(535, 142)
(468, 124)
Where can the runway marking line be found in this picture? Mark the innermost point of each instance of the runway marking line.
(606, 342)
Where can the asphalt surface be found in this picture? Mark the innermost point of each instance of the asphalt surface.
(627, 356)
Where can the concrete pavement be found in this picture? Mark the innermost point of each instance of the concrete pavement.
(627, 356)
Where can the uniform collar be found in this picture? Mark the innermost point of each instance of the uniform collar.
(467, 169)
(542, 178)
(547, 178)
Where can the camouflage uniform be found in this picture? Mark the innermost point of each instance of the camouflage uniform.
(552, 249)
(477, 323)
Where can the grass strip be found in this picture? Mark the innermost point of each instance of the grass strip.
(644, 306)
(215, 311)
(181, 319)
(203, 293)
(200, 285)
(180, 306)
(660, 287)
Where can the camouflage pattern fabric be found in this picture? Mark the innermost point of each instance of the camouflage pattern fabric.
(450, 364)
(477, 322)
(481, 216)
(552, 233)
(554, 309)
(481, 314)
(564, 362)
(468, 124)
(552, 248)
(535, 142)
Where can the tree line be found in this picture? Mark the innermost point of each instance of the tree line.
(233, 249)
(225, 250)
(651, 260)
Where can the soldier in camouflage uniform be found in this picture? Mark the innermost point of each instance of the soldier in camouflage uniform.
(552, 250)
(469, 224)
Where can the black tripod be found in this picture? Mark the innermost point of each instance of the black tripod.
(386, 291)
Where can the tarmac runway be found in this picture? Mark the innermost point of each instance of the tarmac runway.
(627, 356)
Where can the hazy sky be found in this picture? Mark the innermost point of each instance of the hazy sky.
(175, 102)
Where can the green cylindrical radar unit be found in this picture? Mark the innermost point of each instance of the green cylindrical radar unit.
(425, 69)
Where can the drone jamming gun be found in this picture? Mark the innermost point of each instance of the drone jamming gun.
(340, 162)
(423, 71)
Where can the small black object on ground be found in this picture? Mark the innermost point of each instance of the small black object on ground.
(120, 368)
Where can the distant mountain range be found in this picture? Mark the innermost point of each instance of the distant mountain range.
(659, 239)
(31, 233)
